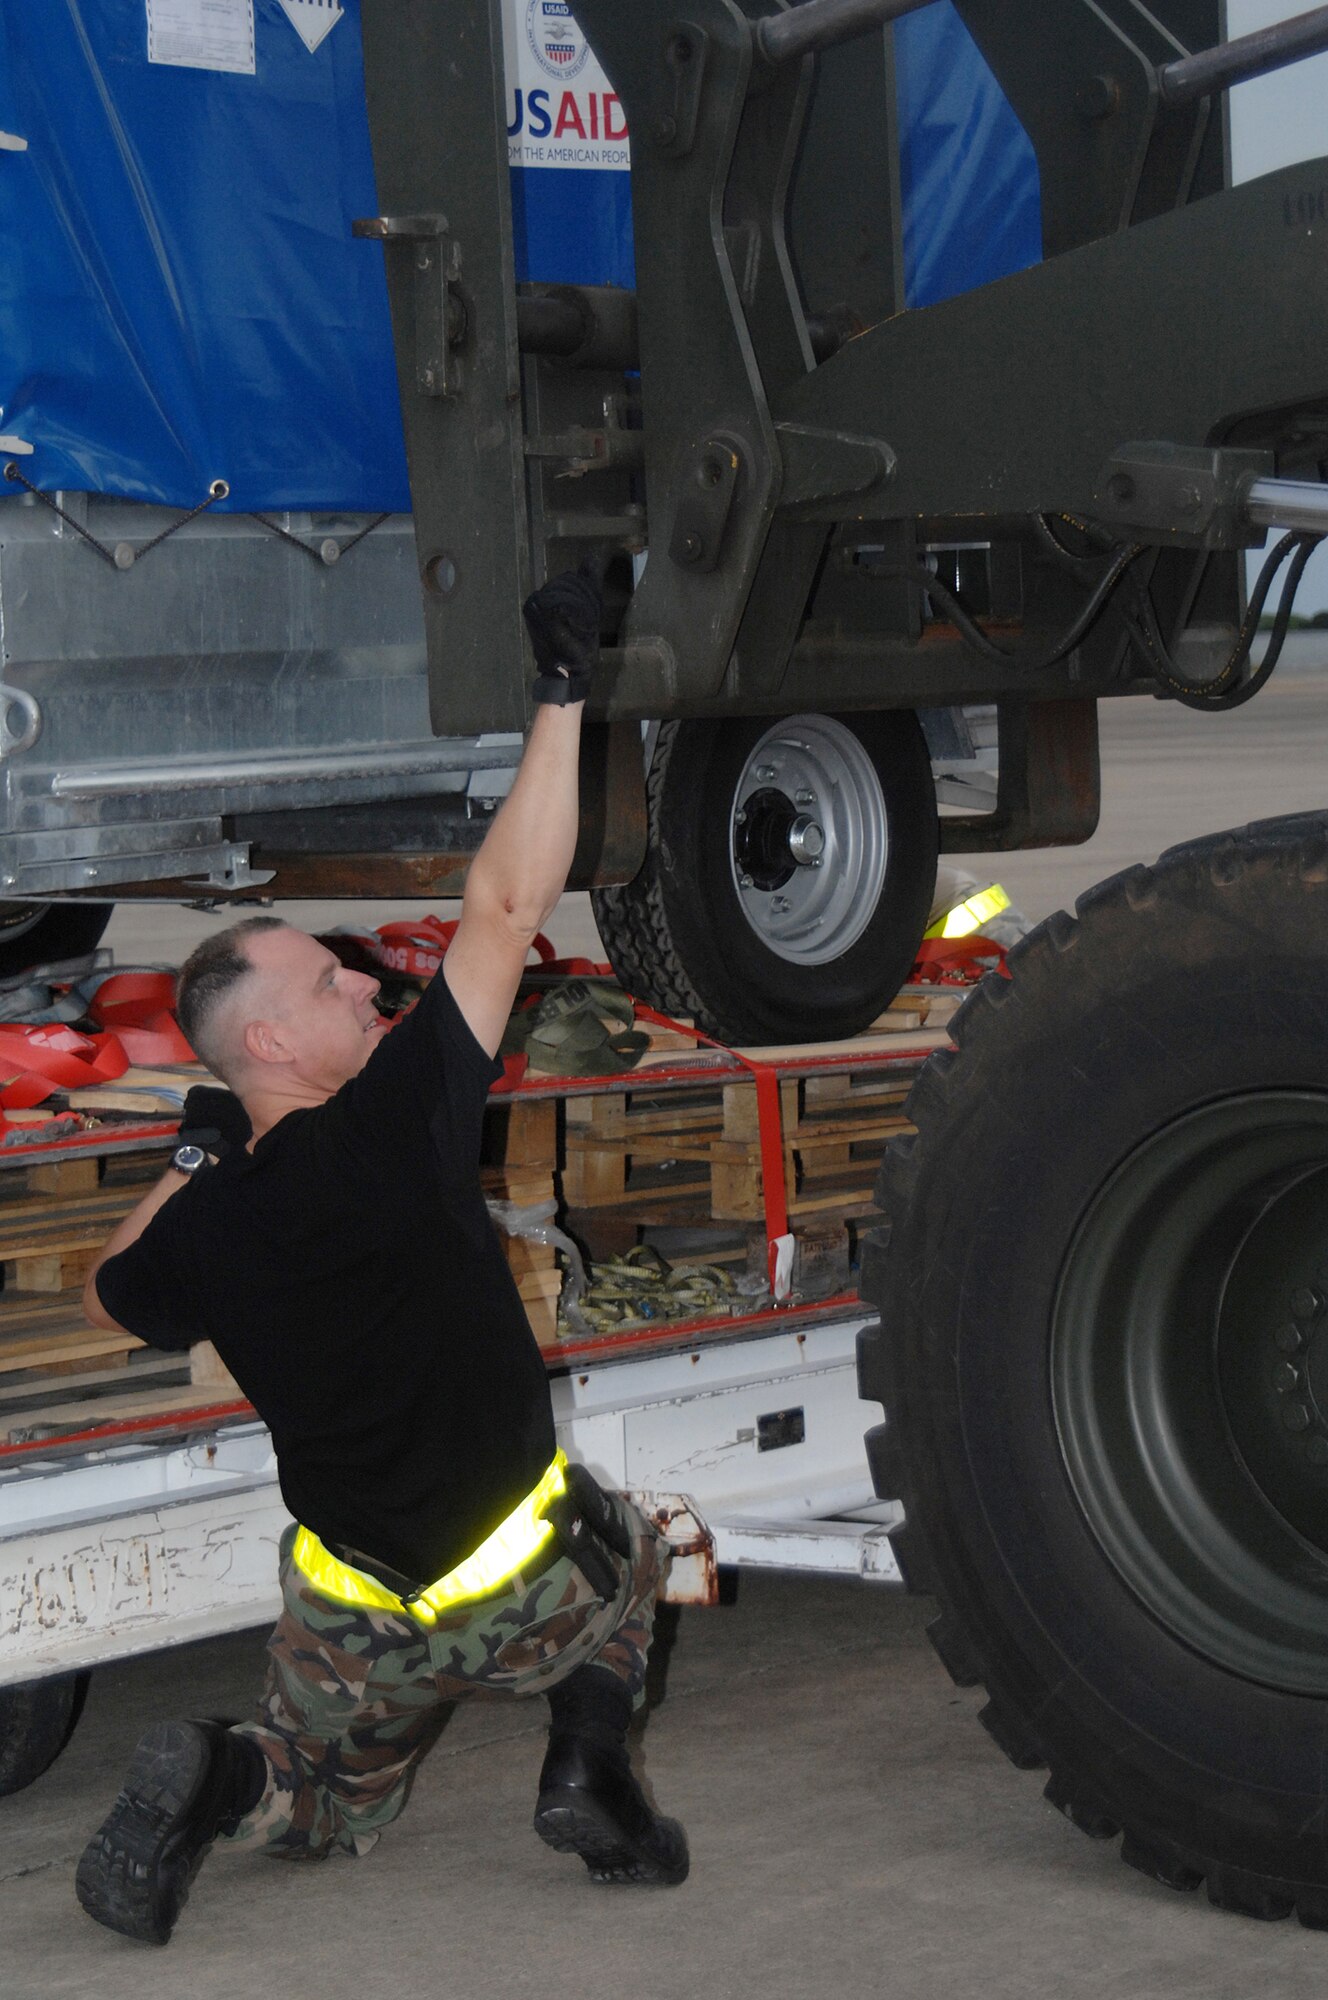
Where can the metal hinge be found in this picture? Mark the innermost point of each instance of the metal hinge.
(440, 310)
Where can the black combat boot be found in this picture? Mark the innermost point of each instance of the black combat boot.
(589, 1802)
(187, 1782)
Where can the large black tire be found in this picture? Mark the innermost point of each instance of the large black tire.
(44, 933)
(687, 936)
(37, 1719)
(1103, 1357)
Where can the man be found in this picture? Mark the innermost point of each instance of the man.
(339, 1254)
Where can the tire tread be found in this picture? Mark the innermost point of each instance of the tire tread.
(1296, 845)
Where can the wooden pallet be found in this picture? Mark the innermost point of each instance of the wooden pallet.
(55, 1216)
(641, 1149)
(649, 1155)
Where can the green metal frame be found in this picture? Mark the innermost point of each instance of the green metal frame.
(785, 498)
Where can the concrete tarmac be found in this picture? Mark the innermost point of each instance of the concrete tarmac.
(854, 1831)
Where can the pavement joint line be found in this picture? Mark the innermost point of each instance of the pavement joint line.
(40, 1867)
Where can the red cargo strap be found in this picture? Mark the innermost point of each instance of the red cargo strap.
(134, 1013)
(958, 961)
(34, 1061)
(416, 946)
(770, 1127)
(139, 1009)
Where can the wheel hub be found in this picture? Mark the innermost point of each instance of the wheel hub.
(1189, 1374)
(1273, 1356)
(809, 839)
(773, 838)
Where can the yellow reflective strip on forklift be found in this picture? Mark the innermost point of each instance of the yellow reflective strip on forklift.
(970, 916)
(498, 1558)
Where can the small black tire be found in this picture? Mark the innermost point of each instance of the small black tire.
(699, 931)
(1102, 1283)
(34, 934)
(37, 1719)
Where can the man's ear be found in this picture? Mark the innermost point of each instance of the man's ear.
(263, 1042)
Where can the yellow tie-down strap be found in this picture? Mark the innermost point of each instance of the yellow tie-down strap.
(499, 1557)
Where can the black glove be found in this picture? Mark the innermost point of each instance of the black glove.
(215, 1120)
(563, 618)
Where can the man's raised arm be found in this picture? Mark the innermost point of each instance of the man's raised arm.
(520, 872)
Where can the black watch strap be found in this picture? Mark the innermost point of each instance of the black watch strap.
(561, 690)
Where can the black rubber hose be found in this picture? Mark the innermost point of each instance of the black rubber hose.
(1217, 695)
(973, 635)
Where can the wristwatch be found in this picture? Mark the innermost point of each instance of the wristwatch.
(188, 1159)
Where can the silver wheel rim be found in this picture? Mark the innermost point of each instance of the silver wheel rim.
(809, 840)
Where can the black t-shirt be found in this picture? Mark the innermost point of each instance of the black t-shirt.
(352, 1281)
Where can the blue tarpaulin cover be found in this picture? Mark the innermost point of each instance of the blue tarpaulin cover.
(181, 299)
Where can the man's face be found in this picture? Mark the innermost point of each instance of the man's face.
(321, 1013)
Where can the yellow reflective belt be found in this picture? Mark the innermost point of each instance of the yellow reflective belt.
(965, 918)
(499, 1557)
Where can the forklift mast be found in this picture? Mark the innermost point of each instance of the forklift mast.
(807, 460)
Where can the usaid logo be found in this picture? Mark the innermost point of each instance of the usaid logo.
(556, 42)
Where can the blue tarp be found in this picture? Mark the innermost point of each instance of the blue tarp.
(181, 298)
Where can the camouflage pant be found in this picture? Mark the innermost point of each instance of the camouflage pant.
(355, 1699)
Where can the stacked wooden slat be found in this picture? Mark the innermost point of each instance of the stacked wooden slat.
(656, 1153)
(55, 1369)
(662, 1154)
(519, 1164)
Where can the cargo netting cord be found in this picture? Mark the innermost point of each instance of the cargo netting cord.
(219, 490)
(320, 552)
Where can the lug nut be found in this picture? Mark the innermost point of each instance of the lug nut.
(1285, 1377)
(1305, 1302)
(1295, 1417)
(1289, 1339)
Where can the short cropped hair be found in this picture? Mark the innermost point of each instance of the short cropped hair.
(211, 972)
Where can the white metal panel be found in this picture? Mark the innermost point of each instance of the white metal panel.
(839, 1548)
(74, 1594)
(137, 1546)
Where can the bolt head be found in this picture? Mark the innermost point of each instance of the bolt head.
(746, 882)
(1305, 1302)
(1295, 1417)
(1289, 1339)
(666, 131)
(1097, 97)
(330, 551)
(691, 548)
(1285, 1377)
(124, 556)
